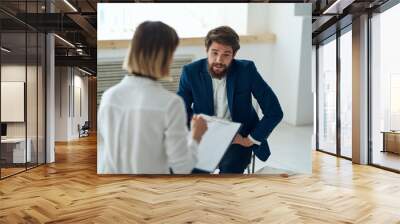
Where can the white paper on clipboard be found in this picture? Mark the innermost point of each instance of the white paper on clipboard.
(215, 142)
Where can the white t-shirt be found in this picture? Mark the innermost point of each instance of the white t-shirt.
(220, 99)
(221, 102)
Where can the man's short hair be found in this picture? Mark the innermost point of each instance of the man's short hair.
(223, 35)
(151, 50)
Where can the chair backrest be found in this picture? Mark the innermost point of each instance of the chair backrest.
(86, 125)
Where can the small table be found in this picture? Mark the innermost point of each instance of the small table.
(391, 141)
(13, 150)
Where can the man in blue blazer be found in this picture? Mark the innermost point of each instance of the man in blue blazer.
(222, 86)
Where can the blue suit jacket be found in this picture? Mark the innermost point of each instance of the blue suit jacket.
(242, 81)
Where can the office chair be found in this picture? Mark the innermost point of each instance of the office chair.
(84, 130)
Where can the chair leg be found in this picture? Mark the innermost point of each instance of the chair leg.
(253, 163)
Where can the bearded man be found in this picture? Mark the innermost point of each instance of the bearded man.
(223, 86)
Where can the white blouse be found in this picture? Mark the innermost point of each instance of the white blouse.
(142, 130)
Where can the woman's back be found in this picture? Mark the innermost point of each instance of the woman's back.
(142, 129)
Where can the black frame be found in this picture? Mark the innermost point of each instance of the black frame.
(333, 37)
(341, 32)
(338, 98)
(44, 81)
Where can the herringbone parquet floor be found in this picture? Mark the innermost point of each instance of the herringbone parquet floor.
(70, 191)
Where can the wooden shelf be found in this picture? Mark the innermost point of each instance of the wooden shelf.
(193, 41)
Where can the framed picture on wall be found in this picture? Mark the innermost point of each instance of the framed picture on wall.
(12, 101)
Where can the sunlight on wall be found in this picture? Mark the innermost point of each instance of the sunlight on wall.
(119, 21)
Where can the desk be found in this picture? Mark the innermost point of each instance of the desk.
(13, 150)
(391, 141)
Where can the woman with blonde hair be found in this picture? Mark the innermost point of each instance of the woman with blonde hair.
(142, 126)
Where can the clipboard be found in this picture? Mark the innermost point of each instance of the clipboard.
(215, 142)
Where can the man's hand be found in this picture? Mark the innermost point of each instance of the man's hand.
(199, 127)
(245, 142)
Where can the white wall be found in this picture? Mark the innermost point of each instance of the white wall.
(61, 103)
(290, 77)
(80, 82)
(115, 21)
(67, 81)
(13, 72)
(291, 64)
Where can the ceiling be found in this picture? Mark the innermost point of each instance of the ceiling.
(74, 22)
(328, 16)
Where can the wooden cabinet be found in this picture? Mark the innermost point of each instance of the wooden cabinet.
(391, 141)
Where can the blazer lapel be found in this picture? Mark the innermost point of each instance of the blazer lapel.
(230, 87)
(208, 88)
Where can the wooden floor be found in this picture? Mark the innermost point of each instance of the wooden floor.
(70, 191)
(387, 159)
(10, 171)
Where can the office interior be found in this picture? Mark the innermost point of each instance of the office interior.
(48, 69)
(47, 80)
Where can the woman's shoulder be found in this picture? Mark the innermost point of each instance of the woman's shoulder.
(108, 93)
(169, 97)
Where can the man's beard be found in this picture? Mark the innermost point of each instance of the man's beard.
(219, 74)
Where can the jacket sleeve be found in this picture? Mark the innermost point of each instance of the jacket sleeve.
(269, 104)
(181, 149)
(185, 91)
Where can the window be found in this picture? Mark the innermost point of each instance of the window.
(346, 94)
(395, 102)
(385, 89)
(327, 96)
